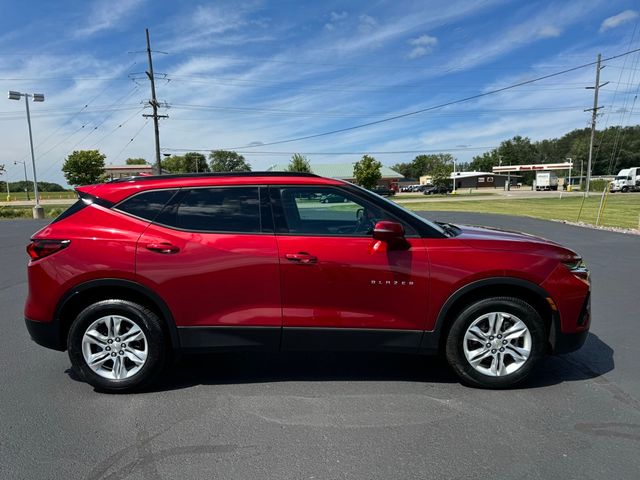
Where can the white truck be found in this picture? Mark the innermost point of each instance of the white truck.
(546, 181)
(627, 180)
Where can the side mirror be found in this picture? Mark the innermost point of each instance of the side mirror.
(389, 232)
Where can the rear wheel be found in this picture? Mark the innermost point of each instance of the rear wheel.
(117, 345)
(495, 342)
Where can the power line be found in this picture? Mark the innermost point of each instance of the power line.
(423, 110)
(132, 139)
(385, 152)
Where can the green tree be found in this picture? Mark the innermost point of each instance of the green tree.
(174, 164)
(84, 167)
(430, 164)
(405, 169)
(367, 172)
(136, 161)
(441, 173)
(485, 162)
(518, 151)
(227, 161)
(1, 168)
(299, 163)
(195, 162)
(190, 162)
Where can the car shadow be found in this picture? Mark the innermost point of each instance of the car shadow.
(594, 359)
(243, 368)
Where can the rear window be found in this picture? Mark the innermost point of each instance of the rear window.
(75, 208)
(84, 200)
(146, 205)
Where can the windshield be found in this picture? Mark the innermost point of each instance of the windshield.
(433, 225)
(621, 177)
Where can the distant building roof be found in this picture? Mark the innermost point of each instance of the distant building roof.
(478, 174)
(340, 171)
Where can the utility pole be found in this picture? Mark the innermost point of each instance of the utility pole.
(154, 104)
(594, 116)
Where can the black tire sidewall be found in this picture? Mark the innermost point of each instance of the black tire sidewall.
(454, 344)
(148, 322)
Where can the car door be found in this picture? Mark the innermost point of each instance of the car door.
(340, 288)
(212, 256)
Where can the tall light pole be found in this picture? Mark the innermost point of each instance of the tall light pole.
(26, 180)
(38, 211)
(7, 181)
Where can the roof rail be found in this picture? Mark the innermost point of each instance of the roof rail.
(217, 174)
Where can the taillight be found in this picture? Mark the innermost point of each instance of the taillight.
(38, 249)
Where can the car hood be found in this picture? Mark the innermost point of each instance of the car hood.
(488, 238)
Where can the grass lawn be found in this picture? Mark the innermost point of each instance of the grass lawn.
(459, 192)
(621, 210)
(43, 195)
(50, 211)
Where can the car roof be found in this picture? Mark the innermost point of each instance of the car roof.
(117, 190)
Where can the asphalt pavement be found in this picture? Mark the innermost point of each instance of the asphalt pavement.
(331, 416)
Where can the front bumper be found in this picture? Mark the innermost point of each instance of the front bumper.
(46, 334)
(561, 342)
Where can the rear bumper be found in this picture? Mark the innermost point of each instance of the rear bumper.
(46, 334)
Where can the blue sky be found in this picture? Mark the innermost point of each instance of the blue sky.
(242, 74)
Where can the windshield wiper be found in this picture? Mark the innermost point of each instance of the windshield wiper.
(449, 229)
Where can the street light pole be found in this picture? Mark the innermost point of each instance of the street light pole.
(8, 193)
(26, 180)
(38, 211)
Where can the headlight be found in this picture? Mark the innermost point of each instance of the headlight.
(578, 268)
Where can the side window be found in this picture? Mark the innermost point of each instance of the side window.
(146, 205)
(329, 211)
(220, 209)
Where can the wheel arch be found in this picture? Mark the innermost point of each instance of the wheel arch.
(83, 295)
(433, 341)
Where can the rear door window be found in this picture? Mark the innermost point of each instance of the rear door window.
(217, 209)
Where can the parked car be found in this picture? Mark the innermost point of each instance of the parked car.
(331, 198)
(384, 191)
(140, 268)
(433, 190)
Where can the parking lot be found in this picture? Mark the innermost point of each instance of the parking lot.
(330, 416)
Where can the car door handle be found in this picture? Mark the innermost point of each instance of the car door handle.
(301, 257)
(164, 247)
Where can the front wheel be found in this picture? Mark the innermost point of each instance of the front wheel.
(117, 345)
(495, 342)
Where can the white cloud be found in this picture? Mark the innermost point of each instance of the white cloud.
(335, 18)
(548, 31)
(106, 15)
(422, 45)
(617, 20)
(367, 23)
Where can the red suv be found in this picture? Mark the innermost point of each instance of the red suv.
(140, 268)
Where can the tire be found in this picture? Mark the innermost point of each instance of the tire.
(520, 353)
(135, 363)
(625, 189)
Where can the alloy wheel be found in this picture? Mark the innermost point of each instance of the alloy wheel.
(115, 347)
(497, 344)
